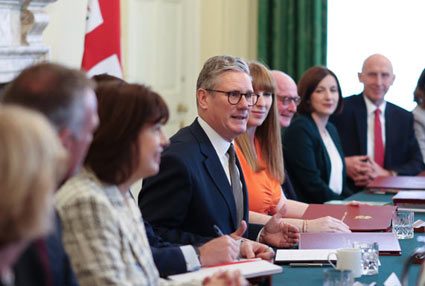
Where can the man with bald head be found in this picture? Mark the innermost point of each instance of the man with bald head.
(377, 136)
(287, 102)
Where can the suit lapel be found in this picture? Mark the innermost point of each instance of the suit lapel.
(361, 123)
(214, 168)
(323, 152)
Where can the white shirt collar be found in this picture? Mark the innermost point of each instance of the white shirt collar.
(371, 107)
(220, 144)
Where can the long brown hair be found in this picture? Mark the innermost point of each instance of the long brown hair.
(268, 134)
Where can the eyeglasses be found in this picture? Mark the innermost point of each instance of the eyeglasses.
(234, 96)
(286, 100)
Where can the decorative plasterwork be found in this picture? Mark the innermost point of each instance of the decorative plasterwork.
(22, 23)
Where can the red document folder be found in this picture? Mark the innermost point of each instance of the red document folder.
(396, 183)
(359, 218)
(387, 241)
(412, 199)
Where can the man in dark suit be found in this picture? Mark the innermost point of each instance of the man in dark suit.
(193, 199)
(377, 136)
(287, 102)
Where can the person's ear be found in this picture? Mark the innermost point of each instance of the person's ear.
(202, 98)
(392, 81)
(359, 75)
(66, 137)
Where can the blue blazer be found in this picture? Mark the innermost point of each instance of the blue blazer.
(402, 153)
(308, 163)
(191, 192)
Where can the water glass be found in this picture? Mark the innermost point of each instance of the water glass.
(336, 277)
(370, 256)
(403, 224)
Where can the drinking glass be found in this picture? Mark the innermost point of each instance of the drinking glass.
(402, 224)
(370, 256)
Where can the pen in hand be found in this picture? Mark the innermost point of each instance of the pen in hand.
(218, 230)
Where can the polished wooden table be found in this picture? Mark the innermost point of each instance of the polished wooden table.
(314, 275)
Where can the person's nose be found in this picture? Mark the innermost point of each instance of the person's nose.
(328, 94)
(292, 107)
(379, 80)
(164, 141)
(260, 101)
(243, 103)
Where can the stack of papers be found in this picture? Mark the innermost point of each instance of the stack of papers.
(371, 203)
(249, 268)
(307, 256)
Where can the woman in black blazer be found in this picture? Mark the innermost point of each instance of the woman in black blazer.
(313, 153)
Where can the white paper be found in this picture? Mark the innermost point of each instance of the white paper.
(392, 280)
(297, 255)
(252, 268)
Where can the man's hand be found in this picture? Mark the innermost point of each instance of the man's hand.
(219, 250)
(359, 169)
(279, 234)
(222, 249)
(226, 278)
(378, 171)
(237, 234)
(326, 224)
(253, 249)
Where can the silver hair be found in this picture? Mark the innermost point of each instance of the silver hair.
(217, 65)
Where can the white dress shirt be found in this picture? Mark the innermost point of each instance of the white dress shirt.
(335, 180)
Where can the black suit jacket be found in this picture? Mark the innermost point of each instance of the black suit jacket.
(308, 162)
(288, 188)
(402, 153)
(30, 271)
(191, 192)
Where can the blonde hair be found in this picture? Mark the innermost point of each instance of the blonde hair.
(268, 134)
(32, 161)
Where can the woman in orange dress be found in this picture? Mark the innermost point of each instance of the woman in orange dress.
(259, 151)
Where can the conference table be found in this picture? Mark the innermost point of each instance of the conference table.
(389, 264)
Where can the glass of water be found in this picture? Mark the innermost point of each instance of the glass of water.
(370, 256)
(403, 224)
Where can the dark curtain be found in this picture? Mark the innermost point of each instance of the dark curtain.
(292, 34)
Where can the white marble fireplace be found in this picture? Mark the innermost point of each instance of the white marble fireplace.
(22, 23)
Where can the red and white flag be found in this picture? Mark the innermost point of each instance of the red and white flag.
(102, 46)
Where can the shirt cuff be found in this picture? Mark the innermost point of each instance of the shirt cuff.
(259, 235)
(191, 258)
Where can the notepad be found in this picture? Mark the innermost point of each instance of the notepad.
(287, 256)
(249, 268)
(387, 241)
(371, 203)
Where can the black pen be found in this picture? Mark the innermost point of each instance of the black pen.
(217, 230)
